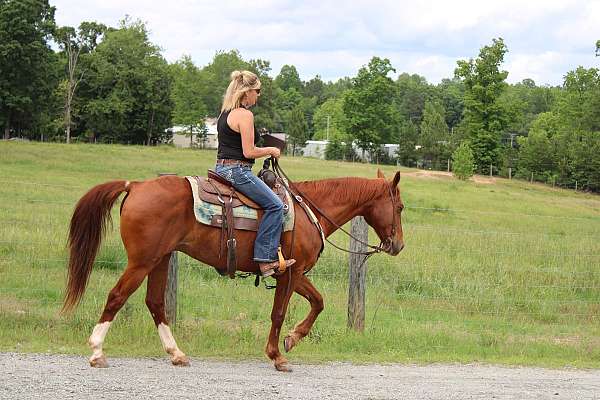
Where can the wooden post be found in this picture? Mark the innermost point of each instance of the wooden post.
(357, 275)
(490, 170)
(171, 291)
(509, 173)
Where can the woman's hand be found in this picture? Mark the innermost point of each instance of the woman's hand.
(274, 152)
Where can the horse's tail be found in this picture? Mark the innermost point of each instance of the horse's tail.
(88, 224)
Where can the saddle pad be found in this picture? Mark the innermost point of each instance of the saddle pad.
(209, 214)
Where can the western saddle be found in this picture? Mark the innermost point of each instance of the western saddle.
(217, 190)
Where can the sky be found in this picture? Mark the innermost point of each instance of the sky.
(545, 39)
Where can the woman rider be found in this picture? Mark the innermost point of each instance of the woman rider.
(235, 156)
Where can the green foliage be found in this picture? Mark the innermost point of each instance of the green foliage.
(370, 115)
(297, 129)
(435, 140)
(408, 136)
(412, 93)
(484, 116)
(27, 74)
(338, 150)
(331, 111)
(189, 109)
(288, 78)
(463, 162)
(132, 86)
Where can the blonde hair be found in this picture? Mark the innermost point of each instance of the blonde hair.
(241, 82)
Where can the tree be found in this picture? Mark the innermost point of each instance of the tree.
(412, 93)
(329, 121)
(73, 43)
(484, 117)
(597, 48)
(463, 162)
(368, 105)
(408, 135)
(189, 109)
(130, 87)
(434, 138)
(288, 78)
(26, 72)
(315, 88)
(536, 151)
(297, 129)
(216, 77)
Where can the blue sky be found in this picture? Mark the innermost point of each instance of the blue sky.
(545, 39)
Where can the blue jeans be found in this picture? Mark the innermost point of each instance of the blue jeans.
(271, 224)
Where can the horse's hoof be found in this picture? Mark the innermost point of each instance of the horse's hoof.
(180, 361)
(288, 343)
(99, 362)
(283, 367)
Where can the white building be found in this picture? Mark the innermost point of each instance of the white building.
(181, 136)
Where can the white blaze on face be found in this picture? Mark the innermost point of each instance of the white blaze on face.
(97, 338)
(167, 339)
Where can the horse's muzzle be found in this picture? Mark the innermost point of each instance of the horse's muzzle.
(396, 248)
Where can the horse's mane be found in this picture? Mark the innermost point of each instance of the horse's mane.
(342, 188)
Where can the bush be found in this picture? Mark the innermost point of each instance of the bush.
(463, 162)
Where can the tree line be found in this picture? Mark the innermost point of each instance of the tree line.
(96, 83)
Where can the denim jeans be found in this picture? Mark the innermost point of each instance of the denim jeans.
(271, 224)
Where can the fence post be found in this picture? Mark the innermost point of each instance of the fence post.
(171, 291)
(357, 275)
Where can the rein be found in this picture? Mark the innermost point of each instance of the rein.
(299, 199)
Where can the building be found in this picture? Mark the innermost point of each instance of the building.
(181, 136)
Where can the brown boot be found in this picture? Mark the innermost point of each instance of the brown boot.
(268, 269)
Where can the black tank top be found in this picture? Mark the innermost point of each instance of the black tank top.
(230, 141)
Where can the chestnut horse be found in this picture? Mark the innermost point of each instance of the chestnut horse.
(157, 218)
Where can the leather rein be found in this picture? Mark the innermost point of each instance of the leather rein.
(301, 199)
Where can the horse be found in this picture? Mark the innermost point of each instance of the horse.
(157, 218)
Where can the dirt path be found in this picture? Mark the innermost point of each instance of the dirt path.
(35, 376)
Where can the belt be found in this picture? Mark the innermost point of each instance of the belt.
(226, 161)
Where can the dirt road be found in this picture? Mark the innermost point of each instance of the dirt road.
(34, 376)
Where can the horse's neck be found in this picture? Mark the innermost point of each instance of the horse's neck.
(340, 199)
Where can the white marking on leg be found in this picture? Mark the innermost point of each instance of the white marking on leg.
(168, 341)
(97, 339)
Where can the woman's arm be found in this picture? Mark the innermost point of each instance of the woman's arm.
(246, 127)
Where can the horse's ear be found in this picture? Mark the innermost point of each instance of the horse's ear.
(380, 174)
(396, 179)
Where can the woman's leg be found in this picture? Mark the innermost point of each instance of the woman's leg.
(271, 225)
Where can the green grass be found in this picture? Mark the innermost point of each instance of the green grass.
(503, 273)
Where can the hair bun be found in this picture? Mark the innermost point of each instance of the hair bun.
(237, 75)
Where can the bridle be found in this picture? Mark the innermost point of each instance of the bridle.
(385, 245)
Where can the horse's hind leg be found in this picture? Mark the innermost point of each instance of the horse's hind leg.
(155, 300)
(130, 280)
(305, 289)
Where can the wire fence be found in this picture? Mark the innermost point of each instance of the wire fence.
(571, 291)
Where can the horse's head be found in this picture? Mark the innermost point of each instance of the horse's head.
(383, 213)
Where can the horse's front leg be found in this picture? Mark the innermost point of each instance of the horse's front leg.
(306, 289)
(283, 292)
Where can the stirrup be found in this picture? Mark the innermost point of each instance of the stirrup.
(276, 267)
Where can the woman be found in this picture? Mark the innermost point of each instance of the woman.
(235, 157)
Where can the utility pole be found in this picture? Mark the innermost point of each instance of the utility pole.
(328, 128)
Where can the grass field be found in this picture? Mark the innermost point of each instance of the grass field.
(501, 272)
